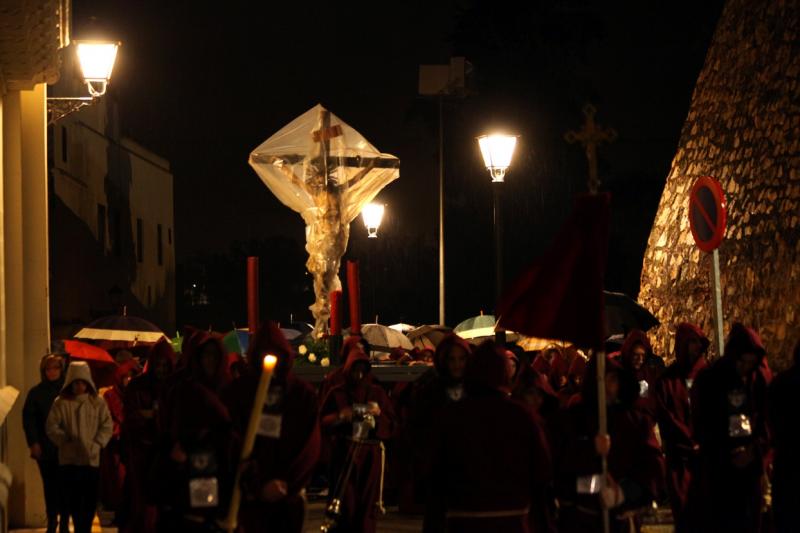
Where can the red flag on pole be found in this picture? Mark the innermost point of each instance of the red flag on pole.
(560, 296)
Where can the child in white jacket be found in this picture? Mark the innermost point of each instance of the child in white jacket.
(80, 425)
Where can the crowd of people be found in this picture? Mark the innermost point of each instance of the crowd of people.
(492, 438)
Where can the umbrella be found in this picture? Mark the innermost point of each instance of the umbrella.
(478, 335)
(303, 327)
(237, 341)
(623, 314)
(475, 322)
(535, 344)
(402, 328)
(383, 338)
(428, 337)
(121, 328)
(100, 362)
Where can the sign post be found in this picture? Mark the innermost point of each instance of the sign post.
(708, 216)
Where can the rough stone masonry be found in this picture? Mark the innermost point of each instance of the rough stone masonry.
(743, 128)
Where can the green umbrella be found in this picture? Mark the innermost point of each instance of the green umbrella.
(476, 322)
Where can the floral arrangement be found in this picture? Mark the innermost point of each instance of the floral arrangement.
(314, 352)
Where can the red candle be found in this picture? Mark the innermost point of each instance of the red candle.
(354, 291)
(336, 313)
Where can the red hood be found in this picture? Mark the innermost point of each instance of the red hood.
(162, 351)
(685, 332)
(124, 369)
(196, 343)
(633, 338)
(353, 356)
(529, 378)
(628, 386)
(487, 368)
(741, 340)
(577, 368)
(443, 350)
(269, 339)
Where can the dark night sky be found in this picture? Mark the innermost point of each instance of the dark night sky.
(204, 85)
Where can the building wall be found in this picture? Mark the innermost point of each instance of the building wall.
(106, 188)
(743, 128)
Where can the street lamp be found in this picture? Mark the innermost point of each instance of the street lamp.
(497, 151)
(372, 215)
(96, 59)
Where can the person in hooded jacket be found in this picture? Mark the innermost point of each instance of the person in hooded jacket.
(674, 415)
(635, 463)
(358, 416)
(429, 398)
(729, 401)
(142, 430)
(197, 472)
(784, 420)
(637, 357)
(287, 443)
(491, 466)
(34, 417)
(80, 425)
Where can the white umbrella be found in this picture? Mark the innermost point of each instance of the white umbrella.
(383, 338)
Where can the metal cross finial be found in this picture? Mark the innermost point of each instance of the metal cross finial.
(590, 136)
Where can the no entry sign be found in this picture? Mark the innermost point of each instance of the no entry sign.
(708, 213)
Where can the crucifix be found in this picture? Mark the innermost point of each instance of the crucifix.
(591, 135)
(326, 171)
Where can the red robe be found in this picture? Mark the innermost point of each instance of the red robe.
(784, 418)
(141, 432)
(359, 497)
(673, 411)
(634, 462)
(491, 467)
(722, 495)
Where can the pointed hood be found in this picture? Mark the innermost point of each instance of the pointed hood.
(75, 371)
(634, 338)
(443, 350)
(742, 340)
(685, 333)
(269, 339)
(353, 354)
(198, 341)
(162, 351)
(628, 386)
(487, 369)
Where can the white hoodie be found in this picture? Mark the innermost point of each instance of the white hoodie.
(80, 426)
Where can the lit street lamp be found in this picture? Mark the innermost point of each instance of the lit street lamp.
(372, 215)
(497, 151)
(96, 59)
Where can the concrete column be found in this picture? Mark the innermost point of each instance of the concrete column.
(3, 380)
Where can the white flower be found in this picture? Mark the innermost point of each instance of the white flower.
(325, 362)
(302, 349)
(312, 358)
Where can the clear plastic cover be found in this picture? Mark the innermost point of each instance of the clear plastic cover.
(325, 170)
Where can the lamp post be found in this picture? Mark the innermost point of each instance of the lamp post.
(497, 151)
(96, 59)
(372, 214)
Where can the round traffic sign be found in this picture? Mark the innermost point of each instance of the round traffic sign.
(708, 213)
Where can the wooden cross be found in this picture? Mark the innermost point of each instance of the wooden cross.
(590, 136)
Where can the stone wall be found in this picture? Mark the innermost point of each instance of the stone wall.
(743, 128)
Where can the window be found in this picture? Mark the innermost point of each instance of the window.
(115, 231)
(64, 143)
(160, 245)
(101, 226)
(139, 240)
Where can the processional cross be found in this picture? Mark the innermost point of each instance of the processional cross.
(591, 135)
(333, 184)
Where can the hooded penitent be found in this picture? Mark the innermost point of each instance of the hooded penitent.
(287, 445)
(674, 415)
(443, 351)
(80, 426)
(473, 488)
(728, 419)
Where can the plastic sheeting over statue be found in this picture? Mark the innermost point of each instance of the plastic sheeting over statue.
(325, 170)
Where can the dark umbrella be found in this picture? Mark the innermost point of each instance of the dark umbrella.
(623, 314)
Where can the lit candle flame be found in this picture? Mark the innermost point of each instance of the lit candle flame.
(269, 362)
